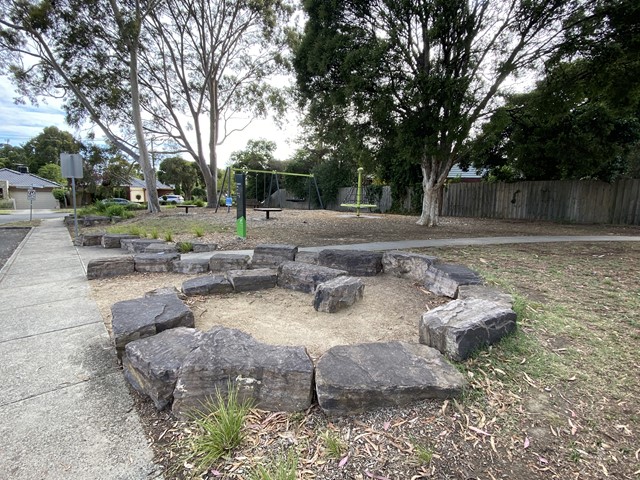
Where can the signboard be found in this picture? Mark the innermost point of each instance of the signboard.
(241, 206)
(31, 194)
(71, 165)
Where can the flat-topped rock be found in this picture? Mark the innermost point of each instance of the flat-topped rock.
(221, 262)
(110, 267)
(161, 247)
(276, 378)
(254, 279)
(482, 292)
(272, 255)
(89, 239)
(151, 364)
(154, 262)
(207, 285)
(305, 277)
(359, 263)
(337, 294)
(202, 247)
(461, 327)
(163, 291)
(445, 278)
(191, 265)
(307, 257)
(411, 266)
(138, 245)
(112, 240)
(143, 317)
(357, 378)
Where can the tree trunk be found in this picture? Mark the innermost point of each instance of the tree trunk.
(431, 197)
(212, 184)
(147, 169)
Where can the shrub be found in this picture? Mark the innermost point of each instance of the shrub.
(199, 202)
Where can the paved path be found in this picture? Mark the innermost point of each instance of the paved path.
(65, 411)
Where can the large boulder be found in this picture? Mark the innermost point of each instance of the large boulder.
(110, 267)
(89, 239)
(337, 294)
(461, 327)
(202, 247)
(221, 262)
(255, 279)
(305, 277)
(307, 257)
(272, 255)
(155, 262)
(151, 364)
(445, 278)
(357, 378)
(138, 245)
(143, 317)
(411, 266)
(359, 263)
(207, 285)
(276, 378)
(112, 240)
(161, 247)
(191, 265)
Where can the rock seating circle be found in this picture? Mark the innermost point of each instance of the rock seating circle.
(165, 358)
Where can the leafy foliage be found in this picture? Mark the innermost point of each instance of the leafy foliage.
(181, 173)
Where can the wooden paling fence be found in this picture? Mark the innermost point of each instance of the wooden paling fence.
(576, 201)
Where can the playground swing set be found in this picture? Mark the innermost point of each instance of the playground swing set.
(240, 175)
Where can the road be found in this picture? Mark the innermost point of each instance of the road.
(23, 215)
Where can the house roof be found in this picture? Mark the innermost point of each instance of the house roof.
(26, 180)
(457, 172)
(139, 183)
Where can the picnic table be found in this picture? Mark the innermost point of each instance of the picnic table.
(267, 210)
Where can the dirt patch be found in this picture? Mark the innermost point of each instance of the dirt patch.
(390, 310)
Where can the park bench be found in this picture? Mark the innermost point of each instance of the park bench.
(186, 207)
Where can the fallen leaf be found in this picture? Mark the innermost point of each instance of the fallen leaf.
(344, 461)
(386, 426)
(526, 442)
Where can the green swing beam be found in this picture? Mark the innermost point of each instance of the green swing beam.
(359, 205)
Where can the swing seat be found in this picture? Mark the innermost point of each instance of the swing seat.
(361, 205)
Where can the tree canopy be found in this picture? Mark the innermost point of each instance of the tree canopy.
(409, 79)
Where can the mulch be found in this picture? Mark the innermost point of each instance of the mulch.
(10, 238)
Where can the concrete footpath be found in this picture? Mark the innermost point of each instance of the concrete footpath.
(65, 411)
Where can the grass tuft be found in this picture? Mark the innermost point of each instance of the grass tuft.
(168, 237)
(185, 247)
(334, 444)
(198, 231)
(220, 428)
(279, 468)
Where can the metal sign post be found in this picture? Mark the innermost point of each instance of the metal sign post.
(31, 195)
(71, 166)
(241, 206)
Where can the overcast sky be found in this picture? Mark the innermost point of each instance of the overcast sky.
(19, 123)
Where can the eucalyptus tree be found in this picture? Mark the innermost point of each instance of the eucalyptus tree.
(416, 76)
(85, 52)
(209, 62)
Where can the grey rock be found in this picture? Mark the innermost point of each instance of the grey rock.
(307, 257)
(161, 247)
(151, 364)
(201, 247)
(272, 255)
(208, 285)
(304, 277)
(138, 245)
(143, 317)
(482, 292)
(357, 378)
(276, 378)
(461, 327)
(411, 266)
(110, 267)
(249, 280)
(356, 262)
(221, 262)
(154, 262)
(191, 265)
(89, 239)
(337, 294)
(112, 240)
(445, 278)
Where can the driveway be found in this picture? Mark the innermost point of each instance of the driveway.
(23, 215)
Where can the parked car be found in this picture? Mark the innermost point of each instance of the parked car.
(116, 201)
(172, 199)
